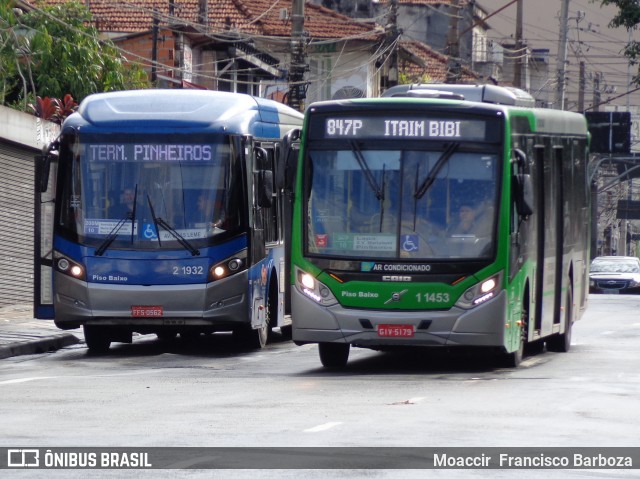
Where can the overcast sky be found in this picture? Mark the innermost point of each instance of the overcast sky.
(590, 39)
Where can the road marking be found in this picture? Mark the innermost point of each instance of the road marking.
(117, 375)
(323, 427)
(23, 380)
(407, 401)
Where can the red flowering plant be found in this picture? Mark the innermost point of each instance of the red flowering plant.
(53, 109)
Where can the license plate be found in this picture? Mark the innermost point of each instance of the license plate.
(147, 311)
(395, 331)
(173, 322)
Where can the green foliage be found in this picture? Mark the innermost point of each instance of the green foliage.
(8, 47)
(405, 79)
(55, 51)
(628, 16)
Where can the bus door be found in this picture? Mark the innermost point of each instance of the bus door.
(46, 167)
(550, 233)
(287, 169)
(261, 192)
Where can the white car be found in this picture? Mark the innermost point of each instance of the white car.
(615, 274)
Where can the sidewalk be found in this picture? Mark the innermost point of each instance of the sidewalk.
(21, 334)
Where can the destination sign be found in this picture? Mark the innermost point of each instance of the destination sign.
(409, 128)
(149, 152)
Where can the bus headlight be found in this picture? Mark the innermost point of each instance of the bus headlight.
(314, 289)
(66, 265)
(481, 292)
(228, 267)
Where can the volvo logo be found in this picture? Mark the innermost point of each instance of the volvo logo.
(395, 297)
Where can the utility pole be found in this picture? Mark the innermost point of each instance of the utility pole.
(562, 55)
(596, 92)
(453, 45)
(582, 86)
(389, 66)
(297, 87)
(393, 33)
(520, 50)
(154, 49)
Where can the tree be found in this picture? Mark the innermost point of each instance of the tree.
(55, 51)
(10, 75)
(628, 16)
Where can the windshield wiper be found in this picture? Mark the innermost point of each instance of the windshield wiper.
(415, 199)
(384, 182)
(133, 211)
(172, 231)
(129, 215)
(378, 191)
(113, 233)
(367, 171)
(431, 177)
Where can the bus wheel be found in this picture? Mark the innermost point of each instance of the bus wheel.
(96, 339)
(334, 355)
(560, 343)
(513, 359)
(252, 338)
(272, 310)
(261, 335)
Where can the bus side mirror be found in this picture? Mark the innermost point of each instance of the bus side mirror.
(523, 193)
(264, 177)
(278, 161)
(265, 188)
(43, 170)
(522, 185)
(291, 145)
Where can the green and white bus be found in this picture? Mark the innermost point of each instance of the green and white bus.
(440, 216)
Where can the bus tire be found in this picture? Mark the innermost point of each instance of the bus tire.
(272, 308)
(251, 338)
(514, 358)
(261, 335)
(334, 355)
(96, 339)
(561, 343)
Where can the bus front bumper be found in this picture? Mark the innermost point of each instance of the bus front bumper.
(483, 326)
(219, 305)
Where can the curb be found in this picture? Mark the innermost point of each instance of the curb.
(37, 345)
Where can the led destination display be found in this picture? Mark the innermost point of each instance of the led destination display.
(149, 152)
(405, 127)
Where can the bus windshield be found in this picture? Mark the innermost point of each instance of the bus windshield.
(150, 191)
(401, 203)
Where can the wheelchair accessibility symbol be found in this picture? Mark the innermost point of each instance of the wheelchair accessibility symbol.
(149, 231)
(410, 243)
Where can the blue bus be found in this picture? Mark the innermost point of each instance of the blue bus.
(165, 212)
